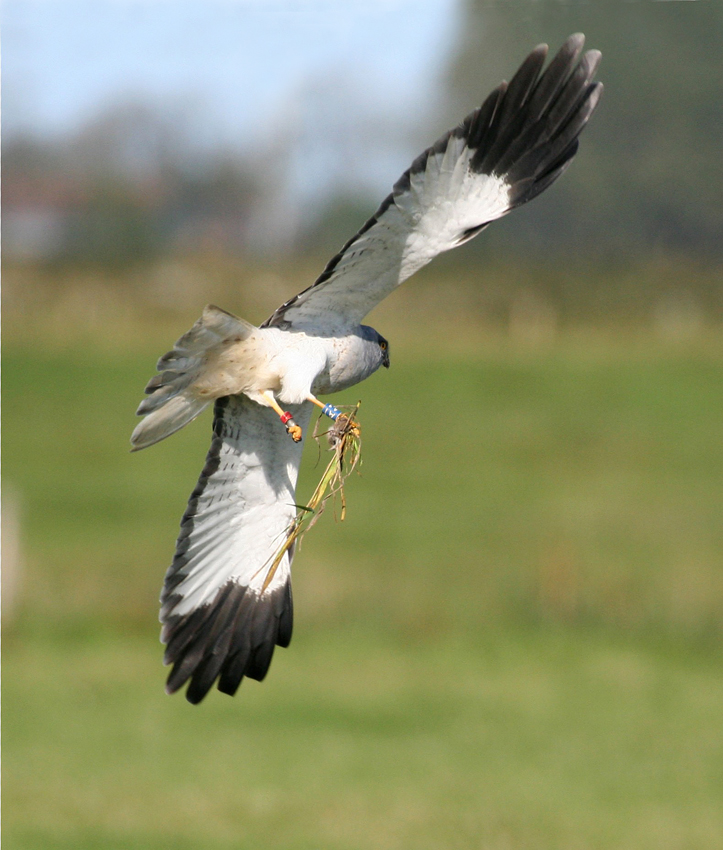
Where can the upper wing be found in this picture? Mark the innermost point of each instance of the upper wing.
(219, 618)
(502, 155)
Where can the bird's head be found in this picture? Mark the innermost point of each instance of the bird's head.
(377, 347)
(384, 348)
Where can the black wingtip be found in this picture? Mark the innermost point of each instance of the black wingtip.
(535, 138)
(230, 638)
(596, 90)
(229, 687)
(594, 57)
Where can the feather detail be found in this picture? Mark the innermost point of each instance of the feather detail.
(170, 417)
(193, 374)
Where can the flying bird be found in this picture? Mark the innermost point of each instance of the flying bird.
(223, 608)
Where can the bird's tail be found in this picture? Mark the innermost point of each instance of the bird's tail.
(174, 398)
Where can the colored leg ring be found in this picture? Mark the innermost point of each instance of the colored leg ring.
(331, 411)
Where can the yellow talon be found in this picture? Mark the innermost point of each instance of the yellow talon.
(295, 432)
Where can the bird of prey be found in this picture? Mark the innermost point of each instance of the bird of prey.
(223, 609)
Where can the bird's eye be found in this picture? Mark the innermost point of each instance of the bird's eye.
(383, 345)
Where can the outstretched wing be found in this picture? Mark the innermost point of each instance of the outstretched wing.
(502, 155)
(220, 619)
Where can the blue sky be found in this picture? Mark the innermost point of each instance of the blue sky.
(236, 61)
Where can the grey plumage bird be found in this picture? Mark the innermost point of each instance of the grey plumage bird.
(221, 615)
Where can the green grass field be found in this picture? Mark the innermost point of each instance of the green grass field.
(513, 641)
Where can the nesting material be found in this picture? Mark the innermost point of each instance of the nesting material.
(344, 437)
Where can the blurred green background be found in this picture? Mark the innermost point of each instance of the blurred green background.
(514, 639)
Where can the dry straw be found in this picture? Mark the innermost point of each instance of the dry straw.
(345, 442)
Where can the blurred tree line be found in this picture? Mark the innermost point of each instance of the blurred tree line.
(134, 184)
(126, 188)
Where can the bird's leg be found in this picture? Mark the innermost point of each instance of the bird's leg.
(332, 412)
(292, 429)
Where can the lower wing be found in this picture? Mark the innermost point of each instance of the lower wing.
(222, 610)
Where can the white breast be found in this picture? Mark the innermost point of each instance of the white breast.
(297, 358)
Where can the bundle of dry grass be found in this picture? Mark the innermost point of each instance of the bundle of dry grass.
(344, 438)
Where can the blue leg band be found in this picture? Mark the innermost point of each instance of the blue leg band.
(331, 411)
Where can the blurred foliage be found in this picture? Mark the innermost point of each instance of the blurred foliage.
(670, 296)
(123, 189)
(648, 178)
(338, 221)
(136, 182)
